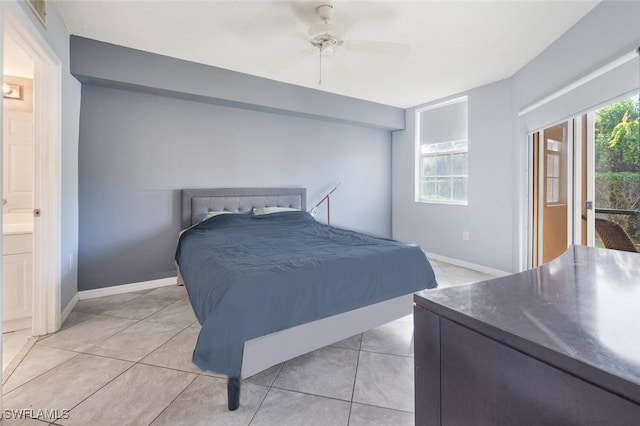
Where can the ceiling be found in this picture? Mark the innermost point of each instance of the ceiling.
(452, 46)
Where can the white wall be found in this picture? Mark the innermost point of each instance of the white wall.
(496, 216)
(438, 228)
(608, 31)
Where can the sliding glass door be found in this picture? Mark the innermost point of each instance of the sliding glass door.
(585, 174)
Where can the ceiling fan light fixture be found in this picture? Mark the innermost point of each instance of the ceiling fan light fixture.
(326, 43)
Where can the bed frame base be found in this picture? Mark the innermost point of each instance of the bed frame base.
(266, 351)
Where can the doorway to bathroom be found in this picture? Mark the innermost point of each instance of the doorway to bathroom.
(17, 200)
(44, 210)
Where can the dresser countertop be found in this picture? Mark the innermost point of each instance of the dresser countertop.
(579, 312)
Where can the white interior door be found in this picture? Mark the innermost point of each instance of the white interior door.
(17, 159)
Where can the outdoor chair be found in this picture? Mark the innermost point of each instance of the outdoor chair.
(614, 236)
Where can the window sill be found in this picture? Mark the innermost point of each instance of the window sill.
(445, 202)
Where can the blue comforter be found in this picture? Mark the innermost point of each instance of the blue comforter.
(248, 276)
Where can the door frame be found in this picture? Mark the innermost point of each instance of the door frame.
(47, 84)
(590, 177)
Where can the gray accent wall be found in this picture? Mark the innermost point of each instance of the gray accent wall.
(138, 149)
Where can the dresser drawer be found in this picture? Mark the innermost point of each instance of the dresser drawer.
(16, 244)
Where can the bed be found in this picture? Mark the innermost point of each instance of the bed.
(267, 288)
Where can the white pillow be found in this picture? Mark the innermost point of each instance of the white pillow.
(215, 213)
(267, 210)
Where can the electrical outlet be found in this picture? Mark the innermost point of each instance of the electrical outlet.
(465, 235)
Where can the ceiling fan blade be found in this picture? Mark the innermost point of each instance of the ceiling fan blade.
(377, 47)
(292, 60)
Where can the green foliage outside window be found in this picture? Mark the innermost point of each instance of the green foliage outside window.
(617, 145)
(617, 162)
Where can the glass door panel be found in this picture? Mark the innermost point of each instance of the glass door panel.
(555, 146)
(617, 167)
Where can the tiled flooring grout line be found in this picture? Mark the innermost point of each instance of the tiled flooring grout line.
(266, 393)
(101, 387)
(386, 408)
(30, 343)
(44, 372)
(386, 353)
(355, 379)
(312, 394)
(174, 399)
(261, 402)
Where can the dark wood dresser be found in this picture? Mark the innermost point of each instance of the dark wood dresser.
(555, 345)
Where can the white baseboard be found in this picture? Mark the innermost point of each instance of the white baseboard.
(67, 311)
(126, 288)
(469, 265)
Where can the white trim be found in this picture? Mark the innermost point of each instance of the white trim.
(570, 184)
(68, 309)
(541, 200)
(126, 288)
(464, 98)
(48, 144)
(591, 179)
(581, 81)
(578, 170)
(417, 157)
(468, 265)
(529, 214)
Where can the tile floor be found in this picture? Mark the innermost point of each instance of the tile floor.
(12, 344)
(126, 360)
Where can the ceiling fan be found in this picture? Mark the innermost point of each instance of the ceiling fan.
(326, 36)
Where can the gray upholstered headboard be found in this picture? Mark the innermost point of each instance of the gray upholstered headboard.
(196, 203)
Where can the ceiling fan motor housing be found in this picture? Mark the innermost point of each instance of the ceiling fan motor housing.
(325, 12)
(322, 35)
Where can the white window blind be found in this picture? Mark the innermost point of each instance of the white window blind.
(442, 154)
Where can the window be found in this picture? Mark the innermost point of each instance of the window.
(442, 150)
(554, 150)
